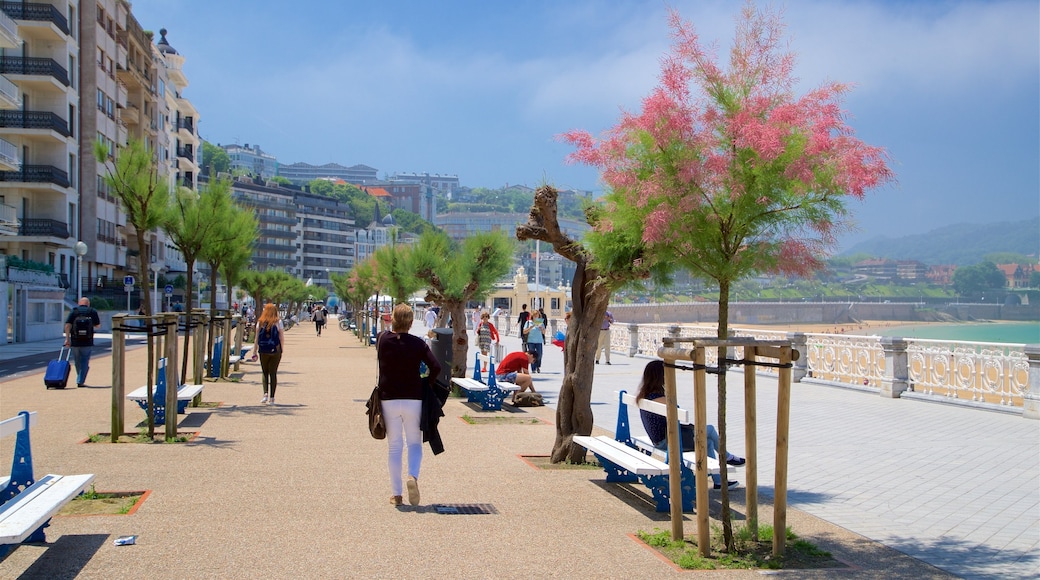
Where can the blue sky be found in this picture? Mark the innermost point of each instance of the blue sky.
(481, 89)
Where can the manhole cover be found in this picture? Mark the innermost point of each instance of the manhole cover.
(466, 509)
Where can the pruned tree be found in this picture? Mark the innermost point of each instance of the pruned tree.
(454, 275)
(356, 287)
(393, 270)
(591, 289)
(143, 194)
(736, 177)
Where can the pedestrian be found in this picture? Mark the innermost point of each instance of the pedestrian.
(535, 334)
(521, 324)
(604, 337)
(269, 344)
(399, 356)
(318, 315)
(652, 387)
(476, 319)
(79, 337)
(514, 369)
(431, 317)
(486, 332)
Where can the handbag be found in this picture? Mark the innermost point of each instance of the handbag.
(374, 406)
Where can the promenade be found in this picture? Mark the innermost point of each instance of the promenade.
(299, 490)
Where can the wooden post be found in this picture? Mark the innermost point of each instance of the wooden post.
(751, 440)
(783, 426)
(118, 376)
(225, 352)
(240, 323)
(674, 451)
(700, 413)
(170, 352)
(198, 328)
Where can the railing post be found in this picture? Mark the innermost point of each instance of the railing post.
(1031, 398)
(896, 371)
(801, 364)
(633, 339)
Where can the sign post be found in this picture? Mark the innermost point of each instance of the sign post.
(168, 290)
(128, 285)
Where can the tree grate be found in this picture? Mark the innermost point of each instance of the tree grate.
(465, 509)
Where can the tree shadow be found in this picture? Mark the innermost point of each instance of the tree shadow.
(66, 557)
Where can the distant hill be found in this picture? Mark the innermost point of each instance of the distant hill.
(960, 244)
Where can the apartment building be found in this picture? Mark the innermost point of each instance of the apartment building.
(304, 173)
(306, 235)
(252, 160)
(39, 201)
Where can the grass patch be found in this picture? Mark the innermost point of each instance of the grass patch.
(545, 462)
(747, 554)
(141, 437)
(501, 420)
(93, 502)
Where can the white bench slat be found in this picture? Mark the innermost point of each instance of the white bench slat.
(469, 384)
(633, 460)
(185, 393)
(234, 359)
(15, 424)
(689, 457)
(27, 511)
(657, 408)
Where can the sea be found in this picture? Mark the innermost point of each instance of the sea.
(1005, 332)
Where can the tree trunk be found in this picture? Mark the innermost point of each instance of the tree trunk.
(190, 265)
(589, 296)
(459, 338)
(142, 269)
(723, 334)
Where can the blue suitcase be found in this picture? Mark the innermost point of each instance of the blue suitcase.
(57, 375)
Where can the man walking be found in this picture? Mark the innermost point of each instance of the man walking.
(604, 337)
(521, 322)
(79, 337)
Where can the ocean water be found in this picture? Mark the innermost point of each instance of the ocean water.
(1007, 332)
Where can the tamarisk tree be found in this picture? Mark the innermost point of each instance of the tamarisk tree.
(725, 172)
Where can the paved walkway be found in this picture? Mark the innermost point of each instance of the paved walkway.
(299, 489)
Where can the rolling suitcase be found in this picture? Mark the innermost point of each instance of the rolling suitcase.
(57, 375)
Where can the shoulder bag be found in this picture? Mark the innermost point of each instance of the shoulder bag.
(374, 406)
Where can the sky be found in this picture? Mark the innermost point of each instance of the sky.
(483, 89)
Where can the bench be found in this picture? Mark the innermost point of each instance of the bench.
(626, 458)
(27, 504)
(490, 394)
(185, 393)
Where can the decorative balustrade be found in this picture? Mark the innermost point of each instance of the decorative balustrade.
(9, 154)
(34, 120)
(10, 91)
(37, 174)
(28, 65)
(35, 11)
(981, 374)
(44, 227)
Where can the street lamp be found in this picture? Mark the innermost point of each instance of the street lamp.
(155, 267)
(81, 250)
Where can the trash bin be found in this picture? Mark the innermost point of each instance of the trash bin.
(441, 346)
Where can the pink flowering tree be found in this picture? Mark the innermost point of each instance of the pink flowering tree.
(726, 172)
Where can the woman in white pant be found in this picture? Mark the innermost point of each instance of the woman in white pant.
(400, 389)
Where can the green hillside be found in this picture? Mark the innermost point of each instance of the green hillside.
(960, 244)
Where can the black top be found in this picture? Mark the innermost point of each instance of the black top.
(656, 425)
(399, 357)
(95, 320)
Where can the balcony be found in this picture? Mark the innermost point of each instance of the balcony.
(187, 128)
(36, 174)
(130, 115)
(9, 37)
(185, 153)
(10, 96)
(37, 13)
(44, 227)
(34, 120)
(28, 65)
(9, 160)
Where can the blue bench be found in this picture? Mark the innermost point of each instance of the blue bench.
(185, 393)
(628, 459)
(490, 394)
(27, 504)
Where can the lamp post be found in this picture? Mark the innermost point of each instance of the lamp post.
(155, 267)
(81, 250)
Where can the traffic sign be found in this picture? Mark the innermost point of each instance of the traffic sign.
(128, 280)
(128, 289)
(169, 289)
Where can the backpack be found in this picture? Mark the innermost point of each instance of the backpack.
(267, 340)
(83, 327)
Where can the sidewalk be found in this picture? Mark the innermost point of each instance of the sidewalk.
(299, 490)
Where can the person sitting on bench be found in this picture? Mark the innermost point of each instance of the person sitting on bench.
(514, 369)
(656, 426)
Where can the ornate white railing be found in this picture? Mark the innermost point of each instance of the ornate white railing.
(972, 371)
(982, 373)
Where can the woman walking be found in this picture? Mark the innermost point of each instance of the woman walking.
(401, 391)
(486, 332)
(269, 345)
(535, 333)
